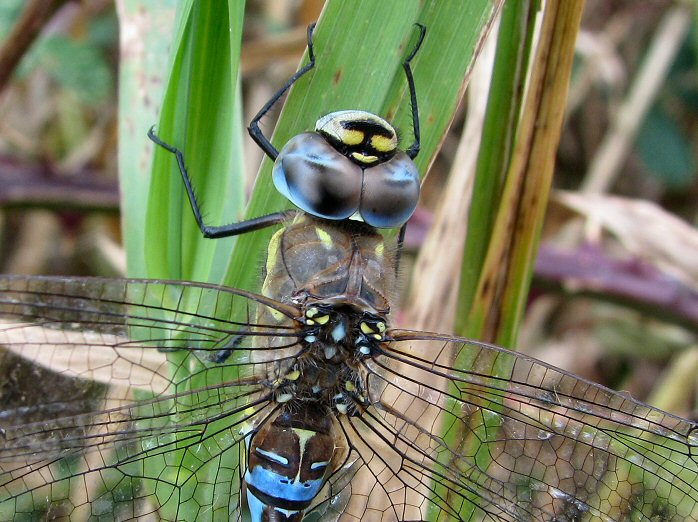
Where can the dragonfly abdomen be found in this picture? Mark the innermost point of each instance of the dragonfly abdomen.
(289, 462)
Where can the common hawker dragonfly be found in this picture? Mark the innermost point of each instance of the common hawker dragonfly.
(302, 403)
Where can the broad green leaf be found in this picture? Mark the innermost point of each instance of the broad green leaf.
(198, 118)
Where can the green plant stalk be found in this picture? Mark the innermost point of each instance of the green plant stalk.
(198, 117)
(497, 305)
(498, 137)
(525, 197)
(509, 75)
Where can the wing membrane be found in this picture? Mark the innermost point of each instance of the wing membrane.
(99, 422)
(112, 407)
(510, 438)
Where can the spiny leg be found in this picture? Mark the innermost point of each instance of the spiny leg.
(215, 232)
(255, 132)
(413, 149)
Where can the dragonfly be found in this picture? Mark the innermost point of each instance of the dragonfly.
(171, 400)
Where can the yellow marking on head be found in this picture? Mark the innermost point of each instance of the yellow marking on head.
(381, 327)
(324, 237)
(349, 386)
(364, 158)
(351, 137)
(322, 319)
(377, 337)
(383, 144)
(312, 311)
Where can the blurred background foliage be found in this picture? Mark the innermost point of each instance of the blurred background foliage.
(615, 292)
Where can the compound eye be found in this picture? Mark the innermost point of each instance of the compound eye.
(391, 192)
(316, 178)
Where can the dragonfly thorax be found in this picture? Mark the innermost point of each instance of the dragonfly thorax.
(318, 261)
(337, 274)
(328, 373)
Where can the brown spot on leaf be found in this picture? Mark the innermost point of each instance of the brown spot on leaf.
(486, 286)
(337, 76)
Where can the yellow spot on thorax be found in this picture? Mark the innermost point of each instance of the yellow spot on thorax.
(272, 258)
(379, 251)
(273, 250)
(324, 237)
(292, 375)
(365, 328)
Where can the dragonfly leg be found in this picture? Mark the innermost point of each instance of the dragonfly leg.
(413, 149)
(400, 243)
(215, 232)
(255, 132)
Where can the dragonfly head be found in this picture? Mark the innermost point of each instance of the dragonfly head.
(349, 168)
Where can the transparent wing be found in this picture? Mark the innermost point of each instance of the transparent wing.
(467, 431)
(97, 423)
